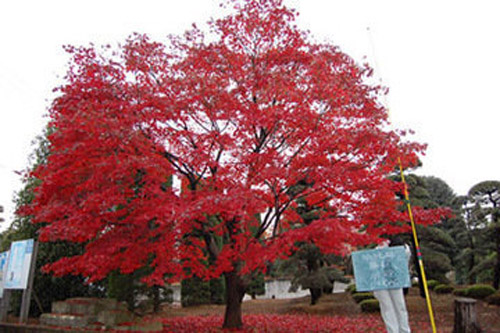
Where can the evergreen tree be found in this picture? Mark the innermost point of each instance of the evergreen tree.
(257, 285)
(437, 246)
(195, 291)
(309, 267)
(484, 198)
(47, 288)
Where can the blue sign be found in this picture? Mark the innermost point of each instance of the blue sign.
(4, 256)
(384, 268)
(18, 266)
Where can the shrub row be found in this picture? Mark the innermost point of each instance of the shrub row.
(443, 289)
(366, 300)
(431, 284)
(370, 305)
(359, 297)
(351, 288)
(479, 291)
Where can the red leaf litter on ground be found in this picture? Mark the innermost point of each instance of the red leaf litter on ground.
(277, 323)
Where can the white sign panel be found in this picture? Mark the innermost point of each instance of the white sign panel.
(385, 268)
(4, 257)
(18, 266)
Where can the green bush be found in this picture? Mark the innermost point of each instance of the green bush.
(351, 288)
(460, 292)
(494, 298)
(370, 305)
(443, 289)
(195, 291)
(217, 291)
(358, 297)
(480, 291)
(431, 284)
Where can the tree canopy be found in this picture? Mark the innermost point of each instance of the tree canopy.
(242, 117)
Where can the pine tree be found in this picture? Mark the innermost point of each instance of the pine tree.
(484, 198)
(437, 246)
(47, 288)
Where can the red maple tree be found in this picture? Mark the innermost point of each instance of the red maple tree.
(251, 120)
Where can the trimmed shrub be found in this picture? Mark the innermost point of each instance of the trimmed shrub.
(443, 289)
(460, 292)
(494, 299)
(370, 305)
(359, 297)
(431, 284)
(480, 291)
(351, 288)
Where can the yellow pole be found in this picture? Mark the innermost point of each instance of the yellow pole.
(419, 253)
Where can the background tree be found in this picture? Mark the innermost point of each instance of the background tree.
(47, 288)
(241, 117)
(469, 239)
(311, 269)
(484, 198)
(308, 266)
(257, 285)
(437, 246)
(440, 193)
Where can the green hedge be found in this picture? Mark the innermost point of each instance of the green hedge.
(359, 297)
(460, 292)
(351, 288)
(443, 289)
(480, 291)
(370, 305)
(431, 284)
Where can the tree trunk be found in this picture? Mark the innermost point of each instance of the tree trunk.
(496, 274)
(315, 295)
(235, 290)
(156, 299)
(465, 316)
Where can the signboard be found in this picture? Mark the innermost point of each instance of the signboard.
(385, 268)
(18, 266)
(4, 257)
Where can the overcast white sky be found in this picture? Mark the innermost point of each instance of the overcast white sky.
(440, 60)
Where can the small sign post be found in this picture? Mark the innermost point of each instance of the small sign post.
(26, 300)
(20, 272)
(4, 294)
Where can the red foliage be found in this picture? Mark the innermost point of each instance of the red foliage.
(241, 118)
(278, 323)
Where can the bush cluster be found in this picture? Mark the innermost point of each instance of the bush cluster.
(359, 297)
(431, 284)
(366, 300)
(460, 292)
(480, 291)
(351, 288)
(443, 289)
(370, 305)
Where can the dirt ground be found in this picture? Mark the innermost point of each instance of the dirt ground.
(342, 304)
